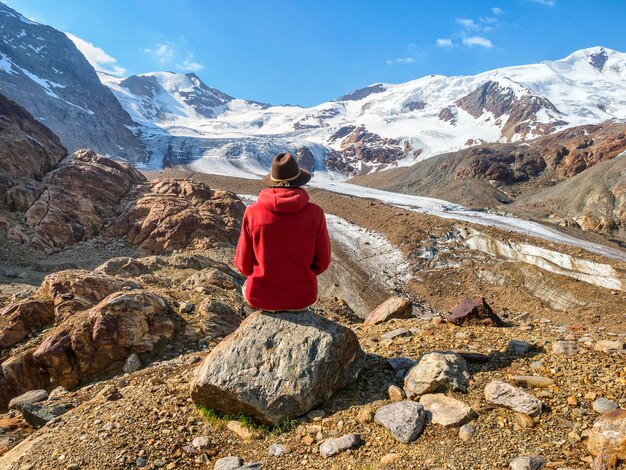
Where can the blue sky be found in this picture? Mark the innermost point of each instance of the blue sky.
(307, 52)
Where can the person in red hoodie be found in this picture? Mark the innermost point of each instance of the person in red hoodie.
(284, 243)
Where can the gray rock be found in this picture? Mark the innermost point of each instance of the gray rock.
(38, 415)
(601, 405)
(397, 333)
(278, 366)
(228, 463)
(57, 393)
(514, 398)
(278, 450)
(133, 364)
(34, 396)
(201, 442)
(516, 346)
(399, 364)
(437, 372)
(608, 346)
(186, 307)
(404, 419)
(332, 447)
(528, 463)
(565, 348)
(467, 431)
(141, 462)
(444, 410)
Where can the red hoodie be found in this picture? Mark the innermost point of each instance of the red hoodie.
(282, 248)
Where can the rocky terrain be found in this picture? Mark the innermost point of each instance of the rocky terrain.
(43, 71)
(572, 177)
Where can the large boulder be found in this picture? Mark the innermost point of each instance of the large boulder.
(101, 340)
(277, 366)
(436, 372)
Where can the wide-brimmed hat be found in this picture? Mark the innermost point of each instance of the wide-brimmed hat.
(286, 173)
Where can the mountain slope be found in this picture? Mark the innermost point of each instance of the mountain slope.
(42, 70)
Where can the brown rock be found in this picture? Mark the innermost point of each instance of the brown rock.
(24, 318)
(473, 312)
(608, 435)
(393, 307)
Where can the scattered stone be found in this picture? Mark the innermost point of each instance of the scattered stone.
(38, 415)
(278, 450)
(395, 393)
(524, 420)
(388, 459)
(473, 312)
(405, 420)
(601, 405)
(503, 394)
(287, 363)
(393, 307)
(437, 372)
(57, 393)
(335, 446)
(532, 381)
(516, 346)
(444, 410)
(133, 364)
(186, 307)
(565, 348)
(228, 463)
(472, 356)
(201, 442)
(608, 346)
(528, 463)
(608, 434)
(467, 431)
(34, 396)
(365, 415)
(141, 462)
(397, 333)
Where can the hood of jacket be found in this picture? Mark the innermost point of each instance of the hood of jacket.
(283, 200)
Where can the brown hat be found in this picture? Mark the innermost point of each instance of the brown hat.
(286, 173)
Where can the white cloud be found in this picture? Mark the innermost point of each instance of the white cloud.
(497, 11)
(477, 41)
(189, 65)
(402, 60)
(447, 42)
(99, 60)
(163, 53)
(468, 23)
(549, 3)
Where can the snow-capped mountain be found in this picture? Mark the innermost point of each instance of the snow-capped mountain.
(378, 126)
(43, 71)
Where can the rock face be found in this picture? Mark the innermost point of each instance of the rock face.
(45, 73)
(277, 366)
(608, 435)
(436, 372)
(393, 307)
(360, 145)
(405, 420)
(473, 312)
(24, 318)
(121, 324)
(179, 213)
(516, 399)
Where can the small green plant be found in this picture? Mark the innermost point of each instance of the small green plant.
(220, 420)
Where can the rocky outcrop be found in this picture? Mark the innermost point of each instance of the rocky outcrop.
(45, 73)
(357, 144)
(29, 150)
(24, 318)
(121, 324)
(277, 366)
(177, 214)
